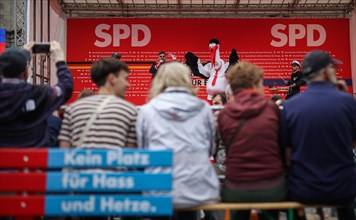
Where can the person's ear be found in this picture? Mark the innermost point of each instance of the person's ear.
(25, 74)
(326, 74)
(111, 78)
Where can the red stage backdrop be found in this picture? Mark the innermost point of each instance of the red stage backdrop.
(270, 43)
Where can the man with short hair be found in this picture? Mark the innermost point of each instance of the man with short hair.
(102, 120)
(156, 65)
(318, 128)
(296, 80)
(24, 108)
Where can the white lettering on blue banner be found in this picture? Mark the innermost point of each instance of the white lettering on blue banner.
(80, 205)
(107, 181)
(83, 158)
(108, 158)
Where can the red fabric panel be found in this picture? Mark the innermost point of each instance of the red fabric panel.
(23, 158)
(22, 205)
(21, 181)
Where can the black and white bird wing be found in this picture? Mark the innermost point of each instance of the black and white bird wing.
(233, 59)
(192, 61)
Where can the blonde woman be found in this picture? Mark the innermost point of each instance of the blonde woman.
(175, 118)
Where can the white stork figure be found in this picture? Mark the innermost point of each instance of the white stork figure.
(214, 70)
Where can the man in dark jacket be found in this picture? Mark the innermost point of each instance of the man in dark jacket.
(156, 65)
(318, 130)
(25, 108)
(296, 80)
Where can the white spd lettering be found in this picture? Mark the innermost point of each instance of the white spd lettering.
(114, 34)
(82, 159)
(118, 158)
(297, 32)
(107, 182)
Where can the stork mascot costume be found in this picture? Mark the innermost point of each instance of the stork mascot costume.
(214, 70)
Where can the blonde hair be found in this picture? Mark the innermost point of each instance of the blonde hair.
(244, 75)
(171, 75)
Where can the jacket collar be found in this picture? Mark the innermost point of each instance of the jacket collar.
(321, 85)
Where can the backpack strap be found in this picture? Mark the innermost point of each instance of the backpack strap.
(234, 134)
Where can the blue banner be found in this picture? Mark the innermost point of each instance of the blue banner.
(107, 181)
(106, 205)
(105, 158)
(2, 35)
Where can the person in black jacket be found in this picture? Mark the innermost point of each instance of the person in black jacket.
(296, 80)
(161, 60)
(25, 108)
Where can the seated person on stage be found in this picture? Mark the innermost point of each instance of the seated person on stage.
(175, 118)
(249, 126)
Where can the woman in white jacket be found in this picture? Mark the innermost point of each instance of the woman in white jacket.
(175, 118)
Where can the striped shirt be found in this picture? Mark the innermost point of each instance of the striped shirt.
(115, 126)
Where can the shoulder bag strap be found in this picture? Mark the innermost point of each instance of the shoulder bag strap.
(91, 120)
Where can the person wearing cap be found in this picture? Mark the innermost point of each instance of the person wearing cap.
(296, 80)
(318, 130)
(25, 108)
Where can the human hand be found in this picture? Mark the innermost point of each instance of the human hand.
(29, 46)
(57, 53)
(342, 86)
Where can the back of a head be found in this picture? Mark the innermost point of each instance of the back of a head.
(315, 61)
(13, 62)
(116, 55)
(103, 67)
(171, 75)
(244, 75)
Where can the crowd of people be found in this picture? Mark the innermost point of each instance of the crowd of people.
(302, 153)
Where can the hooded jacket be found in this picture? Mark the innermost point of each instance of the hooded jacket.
(25, 108)
(179, 121)
(254, 154)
